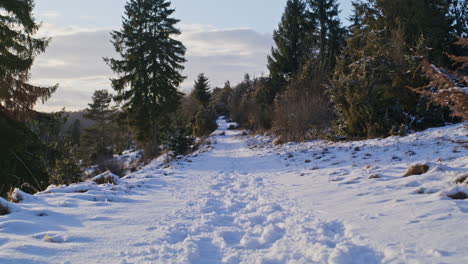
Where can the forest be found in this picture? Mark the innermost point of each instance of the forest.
(400, 66)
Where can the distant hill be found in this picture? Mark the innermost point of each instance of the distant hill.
(72, 116)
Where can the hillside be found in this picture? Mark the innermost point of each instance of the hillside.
(240, 199)
(72, 116)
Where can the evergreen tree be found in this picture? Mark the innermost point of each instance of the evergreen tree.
(96, 141)
(330, 35)
(459, 21)
(76, 132)
(21, 157)
(459, 18)
(355, 18)
(220, 99)
(201, 90)
(237, 112)
(66, 170)
(378, 63)
(180, 139)
(22, 154)
(290, 40)
(18, 48)
(149, 69)
(413, 18)
(100, 110)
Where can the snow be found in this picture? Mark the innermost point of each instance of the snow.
(241, 199)
(128, 158)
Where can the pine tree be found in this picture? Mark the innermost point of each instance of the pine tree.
(100, 110)
(76, 132)
(355, 18)
(331, 34)
(149, 69)
(18, 48)
(459, 18)
(378, 62)
(459, 21)
(201, 90)
(413, 18)
(290, 40)
(96, 141)
(22, 158)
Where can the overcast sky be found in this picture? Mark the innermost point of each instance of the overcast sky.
(224, 38)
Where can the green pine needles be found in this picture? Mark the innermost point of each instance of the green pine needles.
(149, 68)
(18, 48)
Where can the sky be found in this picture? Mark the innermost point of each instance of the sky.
(224, 38)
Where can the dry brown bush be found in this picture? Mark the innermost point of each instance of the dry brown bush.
(417, 169)
(303, 112)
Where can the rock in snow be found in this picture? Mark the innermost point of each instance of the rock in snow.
(235, 204)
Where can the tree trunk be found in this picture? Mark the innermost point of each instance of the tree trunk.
(154, 148)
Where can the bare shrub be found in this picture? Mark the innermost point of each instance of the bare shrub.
(303, 111)
(106, 177)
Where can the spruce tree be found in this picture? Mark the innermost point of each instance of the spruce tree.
(76, 132)
(149, 68)
(377, 64)
(22, 154)
(330, 33)
(18, 49)
(459, 18)
(290, 40)
(201, 90)
(355, 18)
(413, 18)
(459, 29)
(96, 141)
(100, 110)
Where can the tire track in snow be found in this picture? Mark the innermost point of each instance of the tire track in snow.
(236, 219)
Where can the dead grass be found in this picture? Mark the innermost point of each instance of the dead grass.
(463, 179)
(280, 140)
(104, 179)
(417, 169)
(13, 197)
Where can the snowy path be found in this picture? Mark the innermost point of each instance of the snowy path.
(245, 201)
(236, 218)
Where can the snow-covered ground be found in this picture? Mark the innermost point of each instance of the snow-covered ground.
(242, 200)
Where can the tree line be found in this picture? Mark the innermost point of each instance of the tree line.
(375, 78)
(330, 81)
(145, 110)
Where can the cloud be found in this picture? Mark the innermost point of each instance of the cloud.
(52, 30)
(74, 60)
(49, 14)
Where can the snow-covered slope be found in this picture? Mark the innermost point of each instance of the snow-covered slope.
(242, 200)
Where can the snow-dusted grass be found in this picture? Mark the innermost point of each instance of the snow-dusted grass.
(244, 200)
